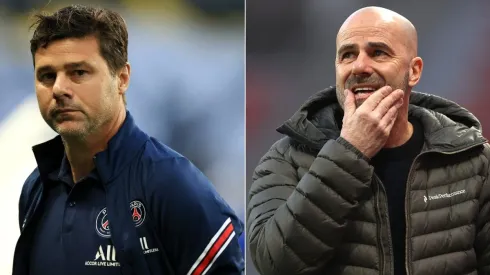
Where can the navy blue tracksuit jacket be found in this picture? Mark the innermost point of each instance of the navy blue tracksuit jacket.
(165, 216)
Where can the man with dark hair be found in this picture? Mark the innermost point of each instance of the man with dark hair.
(372, 177)
(106, 198)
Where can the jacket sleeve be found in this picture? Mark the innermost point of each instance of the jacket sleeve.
(294, 225)
(482, 240)
(197, 228)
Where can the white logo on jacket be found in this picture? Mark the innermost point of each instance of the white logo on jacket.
(146, 249)
(107, 256)
(445, 195)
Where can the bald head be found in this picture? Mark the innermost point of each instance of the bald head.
(384, 20)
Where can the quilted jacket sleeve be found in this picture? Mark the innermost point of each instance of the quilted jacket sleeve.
(294, 225)
(482, 241)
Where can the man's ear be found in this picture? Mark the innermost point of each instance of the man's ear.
(124, 76)
(416, 67)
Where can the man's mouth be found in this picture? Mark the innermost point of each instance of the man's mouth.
(62, 111)
(358, 90)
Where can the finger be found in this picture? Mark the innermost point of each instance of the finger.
(390, 125)
(389, 118)
(373, 101)
(396, 97)
(349, 103)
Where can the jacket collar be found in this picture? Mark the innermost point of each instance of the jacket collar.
(448, 127)
(120, 151)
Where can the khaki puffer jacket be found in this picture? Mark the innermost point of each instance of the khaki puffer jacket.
(316, 206)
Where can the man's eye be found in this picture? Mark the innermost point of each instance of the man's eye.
(47, 77)
(347, 55)
(80, 72)
(378, 53)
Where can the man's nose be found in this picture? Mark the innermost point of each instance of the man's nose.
(362, 65)
(61, 87)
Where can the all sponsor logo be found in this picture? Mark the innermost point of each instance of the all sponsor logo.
(144, 246)
(104, 257)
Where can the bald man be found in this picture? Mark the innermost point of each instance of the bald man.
(370, 176)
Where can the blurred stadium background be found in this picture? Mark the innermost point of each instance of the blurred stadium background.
(187, 90)
(291, 53)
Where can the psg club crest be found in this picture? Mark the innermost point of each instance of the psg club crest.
(102, 224)
(138, 212)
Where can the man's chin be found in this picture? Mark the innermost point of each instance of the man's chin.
(69, 129)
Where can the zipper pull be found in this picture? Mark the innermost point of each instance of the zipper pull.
(24, 224)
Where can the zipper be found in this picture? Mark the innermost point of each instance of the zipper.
(407, 207)
(32, 209)
(378, 228)
(407, 192)
(20, 247)
(390, 245)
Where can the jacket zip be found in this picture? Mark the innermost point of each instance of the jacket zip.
(378, 227)
(390, 246)
(31, 211)
(32, 208)
(407, 193)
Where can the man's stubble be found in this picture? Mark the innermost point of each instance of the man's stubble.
(90, 124)
(377, 80)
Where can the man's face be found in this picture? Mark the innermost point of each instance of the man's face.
(75, 90)
(370, 56)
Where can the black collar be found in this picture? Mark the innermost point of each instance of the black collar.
(121, 149)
